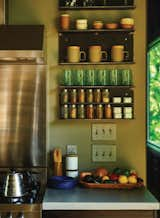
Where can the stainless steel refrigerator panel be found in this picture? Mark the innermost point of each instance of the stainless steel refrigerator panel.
(22, 115)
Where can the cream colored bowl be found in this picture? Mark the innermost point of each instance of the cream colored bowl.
(129, 21)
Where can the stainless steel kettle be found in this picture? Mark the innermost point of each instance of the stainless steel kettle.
(14, 185)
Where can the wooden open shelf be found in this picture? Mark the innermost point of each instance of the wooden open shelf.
(128, 7)
(96, 30)
(99, 63)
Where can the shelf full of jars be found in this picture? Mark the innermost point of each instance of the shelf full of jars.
(96, 4)
(96, 94)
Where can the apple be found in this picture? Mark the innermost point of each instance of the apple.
(100, 171)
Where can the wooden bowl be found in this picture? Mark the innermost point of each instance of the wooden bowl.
(97, 24)
(111, 25)
(127, 26)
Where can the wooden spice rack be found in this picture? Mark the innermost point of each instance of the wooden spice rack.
(114, 91)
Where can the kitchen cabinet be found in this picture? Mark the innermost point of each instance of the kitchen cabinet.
(99, 214)
(99, 203)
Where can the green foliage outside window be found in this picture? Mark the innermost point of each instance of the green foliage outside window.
(154, 95)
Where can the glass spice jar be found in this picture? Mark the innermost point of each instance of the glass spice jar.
(81, 96)
(99, 111)
(108, 111)
(73, 96)
(97, 95)
(89, 96)
(73, 111)
(64, 111)
(105, 96)
(90, 111)
(64, 96)
(81, 111)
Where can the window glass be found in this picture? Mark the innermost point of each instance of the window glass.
(153, 112)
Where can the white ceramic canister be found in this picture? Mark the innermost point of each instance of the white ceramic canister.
(71, 162)
(81, 24)
(72, 173)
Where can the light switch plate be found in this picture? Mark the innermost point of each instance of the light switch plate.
(104, 132)
(103, 153)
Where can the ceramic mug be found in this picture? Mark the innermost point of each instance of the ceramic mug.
(81, 24)
(118, 54)
(96, 54)
(75, 55)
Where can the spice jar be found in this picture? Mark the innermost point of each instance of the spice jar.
(73, 111)
(73, 96)
(108, 111)
(89, 96)
(81, 96)
(64, 96)
(81, 111)
(97, 95)
(90, 111)
(99, 111)
(65, 21)
(64, 111)
(105, 96)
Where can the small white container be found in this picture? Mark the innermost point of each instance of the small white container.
(128, 116)
(71, 162)
(117, 115)
(72, 173)
(117, 110)
(127, 110)
(117, 99)
(127, 99)
(81, 24)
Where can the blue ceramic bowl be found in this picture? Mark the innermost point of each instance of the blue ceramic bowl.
(62, 182)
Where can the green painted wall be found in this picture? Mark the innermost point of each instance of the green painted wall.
(131, 151)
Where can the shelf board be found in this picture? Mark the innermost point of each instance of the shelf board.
(127, 7)
(96, 30)
(103, 103)
(85, 119)
(99, 63)
(95, 87)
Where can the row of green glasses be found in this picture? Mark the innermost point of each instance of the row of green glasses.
(99, 77)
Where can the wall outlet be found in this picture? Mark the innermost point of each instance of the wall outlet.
(104, 132)
(103, 153)
(71, 149)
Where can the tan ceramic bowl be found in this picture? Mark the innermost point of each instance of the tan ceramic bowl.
(127, 26)
(97, 24)
(111, 25)
(127, 23)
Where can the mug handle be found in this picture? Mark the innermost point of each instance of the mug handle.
(104, 55)
(82, 56)
(126, 55)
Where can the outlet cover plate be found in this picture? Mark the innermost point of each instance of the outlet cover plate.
(71, 149)
(104, 153)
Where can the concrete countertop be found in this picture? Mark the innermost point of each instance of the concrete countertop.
(99, 199)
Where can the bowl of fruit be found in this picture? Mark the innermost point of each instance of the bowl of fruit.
(118, 178)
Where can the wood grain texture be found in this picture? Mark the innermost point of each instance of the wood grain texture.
(98, 214)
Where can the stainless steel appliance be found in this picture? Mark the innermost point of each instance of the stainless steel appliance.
(22, 133)
(22, 118)
(22, 109)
